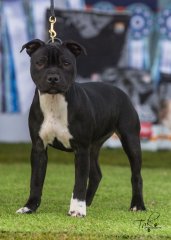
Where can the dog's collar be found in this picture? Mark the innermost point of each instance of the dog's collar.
(57, 40)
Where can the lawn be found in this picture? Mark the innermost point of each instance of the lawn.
(107, 218)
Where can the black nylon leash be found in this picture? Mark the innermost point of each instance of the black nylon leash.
(52, 11)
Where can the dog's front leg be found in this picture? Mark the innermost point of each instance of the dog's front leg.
(38, 171)
(78, 200)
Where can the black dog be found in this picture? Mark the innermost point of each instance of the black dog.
(77, 117)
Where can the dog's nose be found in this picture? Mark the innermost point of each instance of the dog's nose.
(53, 79)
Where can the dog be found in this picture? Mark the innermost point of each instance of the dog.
(77, 117)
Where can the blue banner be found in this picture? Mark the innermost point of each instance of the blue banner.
(141, 27)
(162, 60)
(16, 28)
(9, 94)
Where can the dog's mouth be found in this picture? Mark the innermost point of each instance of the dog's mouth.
(53, 90)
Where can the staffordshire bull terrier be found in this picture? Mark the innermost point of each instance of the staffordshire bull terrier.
(77, 117)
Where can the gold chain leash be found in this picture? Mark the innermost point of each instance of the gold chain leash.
(52, 32)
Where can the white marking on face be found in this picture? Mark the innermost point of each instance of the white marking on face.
(55, 123)
(77, 208)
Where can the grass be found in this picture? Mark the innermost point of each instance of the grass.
(107, 218)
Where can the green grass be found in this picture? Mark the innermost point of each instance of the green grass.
(107, 218)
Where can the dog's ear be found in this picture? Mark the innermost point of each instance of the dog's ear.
(32, 46)
(75, 47)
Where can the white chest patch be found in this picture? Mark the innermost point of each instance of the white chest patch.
(55, 123)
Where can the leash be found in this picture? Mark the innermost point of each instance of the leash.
(52, 11)
(52, 21)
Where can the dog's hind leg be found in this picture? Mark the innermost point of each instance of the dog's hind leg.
(131, 143)
(95, 174)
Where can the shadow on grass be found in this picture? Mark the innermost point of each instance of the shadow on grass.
(10, 153)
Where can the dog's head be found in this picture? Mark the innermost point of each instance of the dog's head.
(53, 65)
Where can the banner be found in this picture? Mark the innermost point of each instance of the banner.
(162, 62)
(94, 31)
(107, 4)
(119, 53)
(141, 26)
(14, 95)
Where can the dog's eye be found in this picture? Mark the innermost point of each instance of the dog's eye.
(66, 63)
(41, 62)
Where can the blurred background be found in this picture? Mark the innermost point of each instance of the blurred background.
(128, 44)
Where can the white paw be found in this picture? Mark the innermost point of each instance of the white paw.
(77, 208)
(134, 209)
(24, 210)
